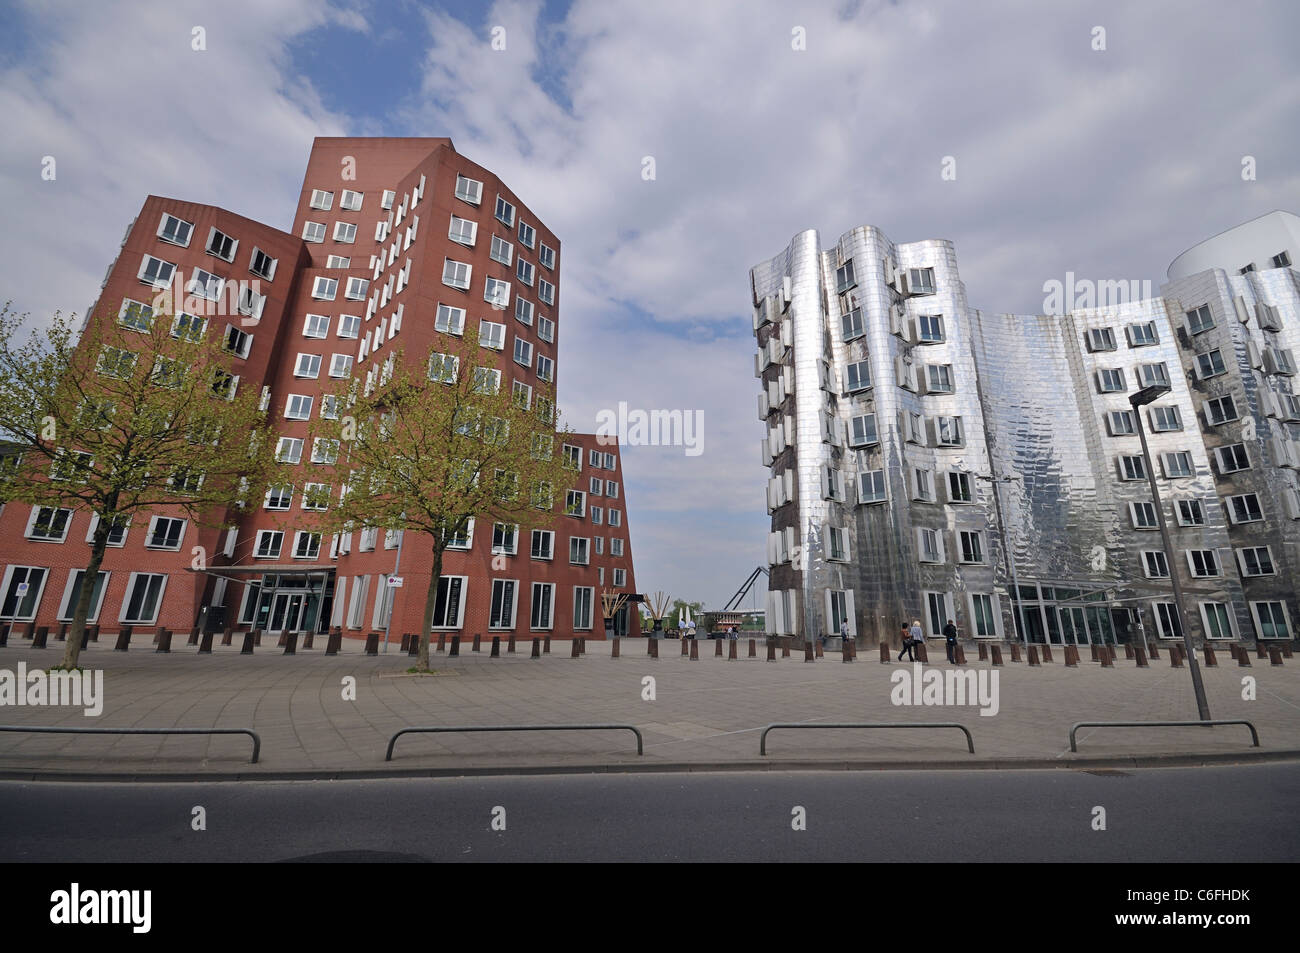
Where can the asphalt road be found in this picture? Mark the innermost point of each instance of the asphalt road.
(1210, 814)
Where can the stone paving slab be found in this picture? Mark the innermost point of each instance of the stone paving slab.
(708, 712)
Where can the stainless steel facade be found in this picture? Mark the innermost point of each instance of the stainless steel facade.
(930, 461)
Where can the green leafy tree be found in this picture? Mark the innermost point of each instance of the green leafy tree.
(140, 413)
(427, 446)
(675, 616)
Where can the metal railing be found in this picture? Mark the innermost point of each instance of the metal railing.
(970, 742)
(640, 748)
(257, 742)
(1074, 746)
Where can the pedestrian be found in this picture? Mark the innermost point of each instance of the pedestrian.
(844, 632)
(918, 636)
(907, 645)
(735, 633)
(950, 633)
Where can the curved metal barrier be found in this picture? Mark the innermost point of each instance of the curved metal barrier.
(970, 742)
(640, 748)
(257, 742)
(1160, 724)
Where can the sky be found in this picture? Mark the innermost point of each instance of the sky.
(1096, 138)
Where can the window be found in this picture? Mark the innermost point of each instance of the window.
(1200, 319)
(316, 326)
(505, 538)
(615, 546)
(345, 232)
(920, 281)
(523, 310)
(447, 605)
(1142, 335)
(1190, 513)
(837, 544)
(543, 608)
(1281, 260)
(524, 271)
(1246, 269)
(72, 595)
(143, 596)
(1101, 339)
(1271, 621)
(575, 503)
(620, 578)
(324, 289)
(289, 450)
(1110, 380)
(1120, 423)
(1244, 508)
(306, 545)
(582, 606)
(469, 190)
(522, 393)
(1150, 374)
(493, 335)
(939, 378)
(175, 230)
(845, 278)
(832, 484)
(324, 450)
(545, 368)
(462, 538)
(115, 362)
(135, 315)
(496, 293)
(1176, 464)
(972, 546)
(462, 231)
(262, 264)
(116, 531)
(449, 319)
(350, 201)
(189, 327)
(49, 523)
(279, 497)
(1154, 564)
(1256, 561)
(1217, 621)
(929, 546)
(502, 613)
(929, 328)
(922, 485)
(349, 326)
(949, 431)
(321, 200)
(316, 496)
(545, 327)
(862, 430)
(851, 325)
(1143, 515)
(205, 284)
(221, 245)
(579, 550)
(357, 288)
(308, 365)
(456, 274)
(611, 489)
(165, 533)
(340, 365)
(1210, 364)
(1165, 419)
(156, 272)
(251, 303)
(1221, 410)
(313, 232)
(329, 407)
(1168, 625)
(1231, 458)
(546, 256)
(959, 487)
(543, 545)
(1203, 563)
(298, 407)
(614, 517)
(1132, 467)
(505, 212)
(268, 545)
(546, 291)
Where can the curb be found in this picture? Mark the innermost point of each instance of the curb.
(678, 767)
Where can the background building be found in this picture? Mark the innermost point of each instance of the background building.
(930, 461)
(395, 241)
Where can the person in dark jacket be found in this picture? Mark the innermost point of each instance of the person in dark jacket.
(950, 634)
(907, 645)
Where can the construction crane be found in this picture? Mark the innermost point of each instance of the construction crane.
(734, 601)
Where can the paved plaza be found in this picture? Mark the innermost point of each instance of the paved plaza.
(704, 713)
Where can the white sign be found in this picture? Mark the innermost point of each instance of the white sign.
(394, 582)
(22, 588)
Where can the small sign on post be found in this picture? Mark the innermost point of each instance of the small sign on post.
(394, 582)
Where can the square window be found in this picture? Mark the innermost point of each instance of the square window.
(49, 523)
(1132, 467)
(527, 234)
(545, 368)
(221, 245)
(313, 232)
(298, 407)
(165, 533)
(1232, 458)
(546, 256)
(851, 326)
(456, 274)
(175, 230)
(307, 365)
(449, 319)
(1101, 339)
(143, 596)
(1244, 508)
(462, 231)
(1190, 513)
(1143, 335)
(493, 335)
(497, 293)
(1220, 410)
(316, 326)
(543, 544)
(345, 232)
(1165, 419)
(545, 328)
(1210, 364)
(340, 365)
(1200, 319)
(324, 289)
(357, 288)
(468, 190)
(929, 328)
(524, 271)
(505, 212)
(1110, 380)
(545, 291)
(350, 201)
(262, 264)
(156, 272)
(321, 200)
(269, 543)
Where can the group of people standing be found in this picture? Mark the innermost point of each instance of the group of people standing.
(914, 635)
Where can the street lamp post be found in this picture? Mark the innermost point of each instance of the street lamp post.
(1143, 397)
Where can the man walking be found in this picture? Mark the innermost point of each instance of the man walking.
(844, 632)
(907, 646)
(950, 634)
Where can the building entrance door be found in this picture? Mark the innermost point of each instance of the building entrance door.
(286, 613)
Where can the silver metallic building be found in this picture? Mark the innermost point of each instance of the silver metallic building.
(930, 461)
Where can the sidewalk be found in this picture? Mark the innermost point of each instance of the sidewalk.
(706, 713)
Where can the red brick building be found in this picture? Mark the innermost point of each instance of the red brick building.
(395, 241)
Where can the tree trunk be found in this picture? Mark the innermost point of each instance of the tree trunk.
(430, 599)
(72, 651)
